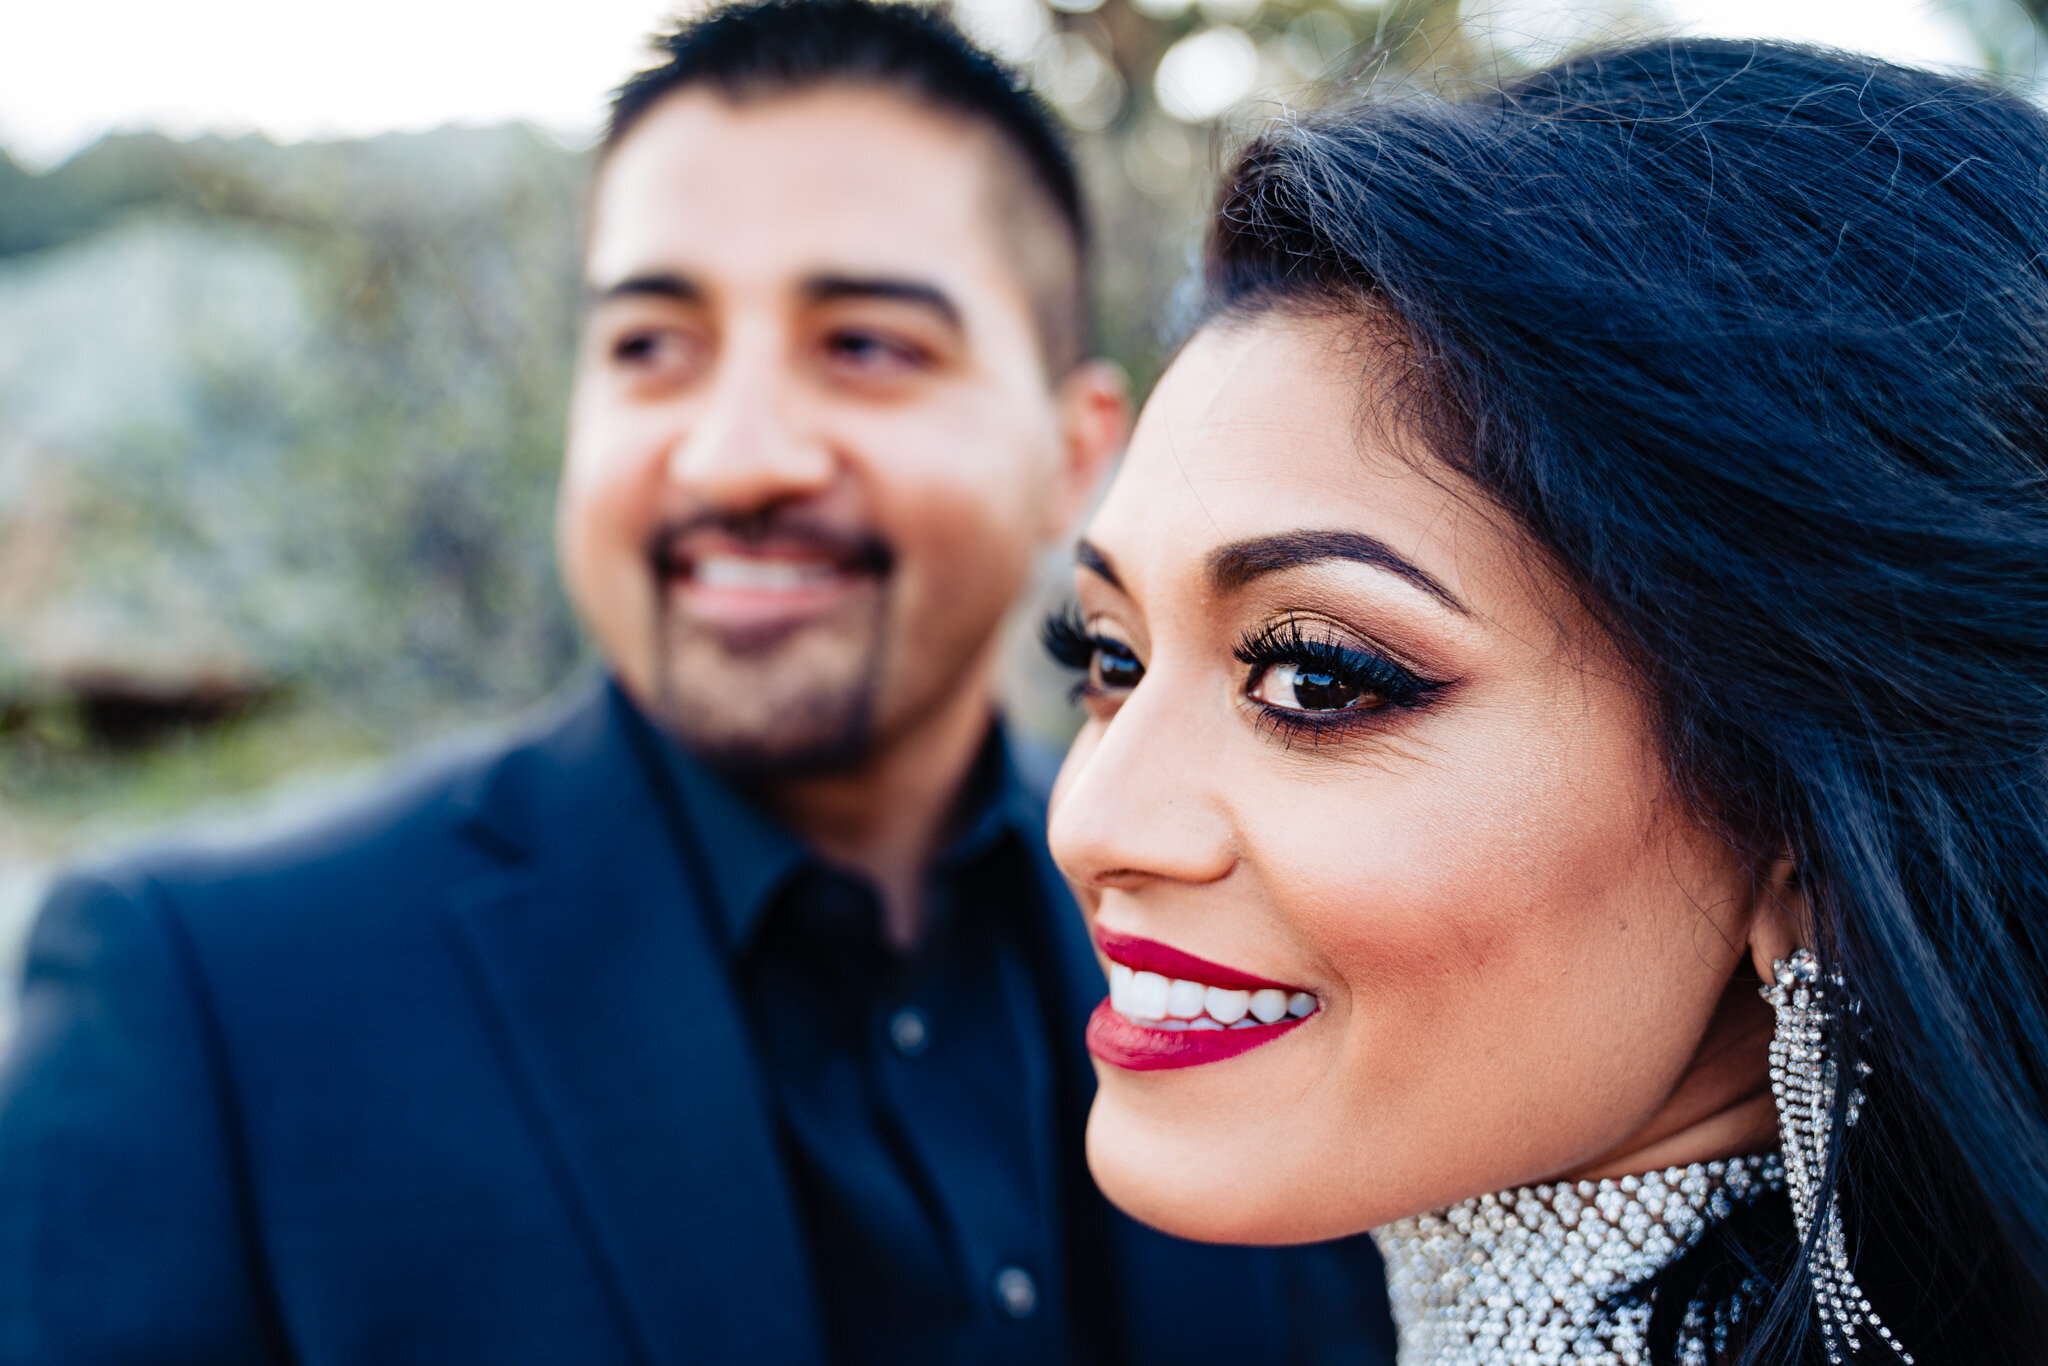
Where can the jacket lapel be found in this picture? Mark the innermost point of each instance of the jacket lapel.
(597, 963)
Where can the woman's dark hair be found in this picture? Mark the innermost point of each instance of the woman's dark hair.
(1752, 340)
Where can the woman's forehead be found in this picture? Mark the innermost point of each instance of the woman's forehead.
(1264, 426)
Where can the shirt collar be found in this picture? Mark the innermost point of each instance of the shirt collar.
(750, 856)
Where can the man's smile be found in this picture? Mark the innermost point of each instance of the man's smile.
(749, 583)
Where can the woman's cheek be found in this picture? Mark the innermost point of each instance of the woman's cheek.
(1390, 894)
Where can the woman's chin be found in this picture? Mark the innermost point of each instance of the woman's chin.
(1207, 1188)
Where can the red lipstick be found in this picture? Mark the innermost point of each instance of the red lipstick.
(1147, 955)
(1136, 1048)
(1189, 1032)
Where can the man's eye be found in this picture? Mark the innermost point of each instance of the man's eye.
(652, 349)
(1311, 687)
(872, 351)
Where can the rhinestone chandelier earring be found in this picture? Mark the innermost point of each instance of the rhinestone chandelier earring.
(1813, 1008)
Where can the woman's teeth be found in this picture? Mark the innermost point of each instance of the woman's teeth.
(1147, 998)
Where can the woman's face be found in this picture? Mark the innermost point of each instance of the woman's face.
(1351, 743)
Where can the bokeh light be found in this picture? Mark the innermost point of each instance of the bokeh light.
(1206, 73)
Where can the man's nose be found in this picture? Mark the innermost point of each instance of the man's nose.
(754, 441)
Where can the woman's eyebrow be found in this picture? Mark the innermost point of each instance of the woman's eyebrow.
(1233, 566)
(1090, 557)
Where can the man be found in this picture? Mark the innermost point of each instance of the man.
(734, 1012)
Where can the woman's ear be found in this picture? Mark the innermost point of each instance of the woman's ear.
(1780, 922)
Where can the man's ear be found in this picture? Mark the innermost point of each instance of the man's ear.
(1781, 922)
(1095, 421)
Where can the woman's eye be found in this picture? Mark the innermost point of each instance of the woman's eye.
(1302, 679)
(1107, 665)
(1114, 668)
(1311, 687)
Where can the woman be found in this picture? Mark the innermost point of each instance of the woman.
(1590, 573)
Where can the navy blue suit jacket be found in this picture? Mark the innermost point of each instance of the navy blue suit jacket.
(457, 1076)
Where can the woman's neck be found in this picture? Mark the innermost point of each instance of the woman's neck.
(1722, 1106)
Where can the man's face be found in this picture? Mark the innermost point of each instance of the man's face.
(813, 442)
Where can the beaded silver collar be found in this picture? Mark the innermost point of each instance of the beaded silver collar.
(1524, 1278)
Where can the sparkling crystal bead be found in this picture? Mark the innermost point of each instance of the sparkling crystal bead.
(1530, 1277)
(1805, 1078)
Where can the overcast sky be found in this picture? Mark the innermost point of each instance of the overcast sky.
(73, 69)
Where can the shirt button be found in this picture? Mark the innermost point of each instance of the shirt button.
(1016, 1292)
(909, 1031)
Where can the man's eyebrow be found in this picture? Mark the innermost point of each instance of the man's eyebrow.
(821, 289)
(1091, 558)
(1233, 566)
(656, 285)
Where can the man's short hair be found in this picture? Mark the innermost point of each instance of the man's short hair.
(774, 47)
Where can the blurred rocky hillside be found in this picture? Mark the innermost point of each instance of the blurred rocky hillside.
(280, 419)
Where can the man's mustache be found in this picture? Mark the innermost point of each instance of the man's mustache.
(853, 549)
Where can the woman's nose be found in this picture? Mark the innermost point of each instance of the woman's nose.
(1134, 804)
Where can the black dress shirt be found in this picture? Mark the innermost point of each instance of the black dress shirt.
(915, 1093)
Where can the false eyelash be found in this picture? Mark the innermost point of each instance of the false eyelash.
(1069, 641)
(1066, 638)
(1283, 642)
